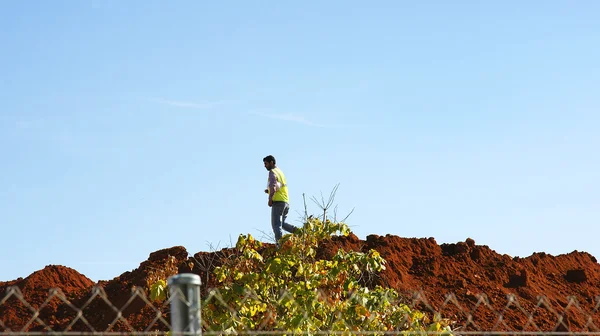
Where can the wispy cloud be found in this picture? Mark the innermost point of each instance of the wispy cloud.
(289, 117)
(189, 104)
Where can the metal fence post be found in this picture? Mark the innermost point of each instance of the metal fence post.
(184, 290)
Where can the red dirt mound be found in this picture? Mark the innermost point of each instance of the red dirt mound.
(468, 283)
(128, 294)
(42, 291)
(542, 284)
(100, 302)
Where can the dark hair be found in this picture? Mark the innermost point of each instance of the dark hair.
(269, 158)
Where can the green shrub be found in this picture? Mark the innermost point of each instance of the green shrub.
(291, 290)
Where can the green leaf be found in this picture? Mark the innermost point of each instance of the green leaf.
(295, 322)
(349, 284)
(238, 289)
(158, 291)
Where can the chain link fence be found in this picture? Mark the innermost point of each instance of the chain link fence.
(95, 313)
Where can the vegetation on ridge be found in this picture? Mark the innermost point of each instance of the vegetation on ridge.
(291, 289)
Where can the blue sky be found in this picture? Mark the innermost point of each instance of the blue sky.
(132, 126)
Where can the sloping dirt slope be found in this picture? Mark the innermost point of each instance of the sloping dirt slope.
(468, 283)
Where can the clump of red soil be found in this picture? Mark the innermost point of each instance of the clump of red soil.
(99, 303)
(470, 284)
(129, 294)
(43, 291)
(483, 290)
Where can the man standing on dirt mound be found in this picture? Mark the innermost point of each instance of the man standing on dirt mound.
(279, 200)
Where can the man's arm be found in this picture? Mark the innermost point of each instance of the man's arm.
(272, 184)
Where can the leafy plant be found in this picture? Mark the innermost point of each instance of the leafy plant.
(291, 289)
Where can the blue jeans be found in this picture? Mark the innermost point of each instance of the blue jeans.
(279, 212)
